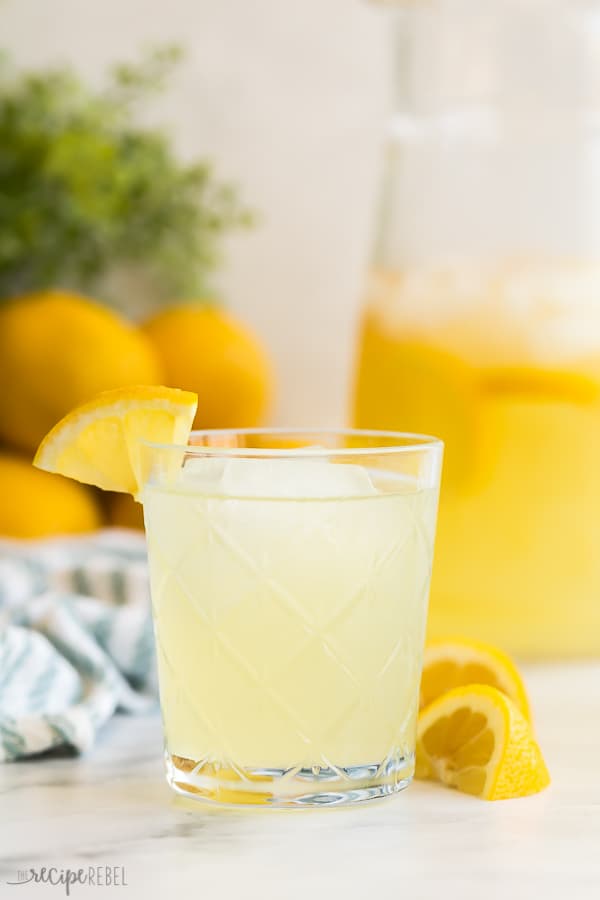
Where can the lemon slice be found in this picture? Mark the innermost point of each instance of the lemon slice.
(475, 739)
(98, 442)
(451, 662)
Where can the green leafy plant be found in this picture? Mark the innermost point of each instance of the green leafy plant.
(83, 190)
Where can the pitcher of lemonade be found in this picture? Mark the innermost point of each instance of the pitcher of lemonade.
(482, 309)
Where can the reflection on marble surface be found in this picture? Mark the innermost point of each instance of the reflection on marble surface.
(113, 808)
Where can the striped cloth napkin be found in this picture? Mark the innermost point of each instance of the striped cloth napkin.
(76, 639)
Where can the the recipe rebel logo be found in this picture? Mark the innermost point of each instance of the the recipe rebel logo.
(91, 876)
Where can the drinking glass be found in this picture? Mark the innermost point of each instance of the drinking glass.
(290, 575)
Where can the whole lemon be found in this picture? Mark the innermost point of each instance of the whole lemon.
(37, 504)
(57, 350)
(205, 350)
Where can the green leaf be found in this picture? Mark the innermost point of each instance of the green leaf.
(83, 190)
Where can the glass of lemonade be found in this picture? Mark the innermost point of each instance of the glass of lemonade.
(290, 576)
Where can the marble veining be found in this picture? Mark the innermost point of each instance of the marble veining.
(112, 807)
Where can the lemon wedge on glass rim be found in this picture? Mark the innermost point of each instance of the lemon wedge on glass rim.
(99, 442)
(475, 739)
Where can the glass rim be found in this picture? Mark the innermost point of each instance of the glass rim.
(410, 442)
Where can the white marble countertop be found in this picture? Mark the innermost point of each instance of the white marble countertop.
(113, 808)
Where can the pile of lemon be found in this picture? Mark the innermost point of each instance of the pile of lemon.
(59, 349)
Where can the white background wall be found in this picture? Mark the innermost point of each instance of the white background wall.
(289, 99)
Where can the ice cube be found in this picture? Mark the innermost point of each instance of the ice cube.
(278, 478)
(203, 473)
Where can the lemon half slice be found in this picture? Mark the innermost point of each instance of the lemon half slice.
(475, 739)
(452, 662)
(98, 442)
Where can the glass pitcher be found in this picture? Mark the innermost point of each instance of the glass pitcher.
(482, 311)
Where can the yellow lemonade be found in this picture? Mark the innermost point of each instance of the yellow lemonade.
(504, 365)
(289, 602)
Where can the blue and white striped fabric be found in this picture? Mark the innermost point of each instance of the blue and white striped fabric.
(76, 639)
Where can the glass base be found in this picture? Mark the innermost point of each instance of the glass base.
(294, 788)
